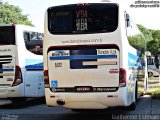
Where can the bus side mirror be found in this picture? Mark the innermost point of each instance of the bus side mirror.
(128, 20)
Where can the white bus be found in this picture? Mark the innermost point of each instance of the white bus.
(21, 62)
(89, 58)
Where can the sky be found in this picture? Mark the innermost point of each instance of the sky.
(35, 9)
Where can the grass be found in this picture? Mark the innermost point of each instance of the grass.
(154, 87)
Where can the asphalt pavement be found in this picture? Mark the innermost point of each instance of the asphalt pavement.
(36, 109)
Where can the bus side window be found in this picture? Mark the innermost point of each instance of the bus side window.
(34, 42)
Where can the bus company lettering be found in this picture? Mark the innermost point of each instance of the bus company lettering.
(8, 66)
(106, 52)
(60, 53)
(105, 89)
(4, 84)
(5, 50)
(59, 90)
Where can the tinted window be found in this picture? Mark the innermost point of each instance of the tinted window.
(34, 42)
(83, 18)
(7, 35)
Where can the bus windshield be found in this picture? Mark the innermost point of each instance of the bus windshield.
(7, 35)
(83, 18)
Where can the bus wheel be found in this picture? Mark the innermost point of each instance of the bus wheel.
(136, 92)
(132, 106)
(78, 110)
(18, 100)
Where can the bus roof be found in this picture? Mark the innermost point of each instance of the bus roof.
(27, 27)
(90, 1)
(14, 25)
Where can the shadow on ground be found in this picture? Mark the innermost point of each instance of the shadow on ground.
(24, 103)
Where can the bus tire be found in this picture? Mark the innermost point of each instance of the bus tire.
(78, 110)
(18, 100)
(136, 92)
(132, 106)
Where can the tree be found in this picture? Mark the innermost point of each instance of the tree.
(10, 14)
(137, 41)
(153, 46)
(156, 35)
(152, 39)
(146, 32)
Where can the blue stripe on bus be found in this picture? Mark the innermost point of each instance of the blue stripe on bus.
(33, 67)
(6, 70)
(38, 66)
(34, 64)
(132, 60)
(73, 57)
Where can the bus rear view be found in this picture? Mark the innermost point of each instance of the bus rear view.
(21, 68)
(82, 57)
(7, 60)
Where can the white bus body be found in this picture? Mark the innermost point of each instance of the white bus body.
(90, 64)
(21, 62)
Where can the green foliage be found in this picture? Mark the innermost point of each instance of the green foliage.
(10, 14)
(152, 39)
(156, 35)
(146, 32)
(138, 42)
(153, 46)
